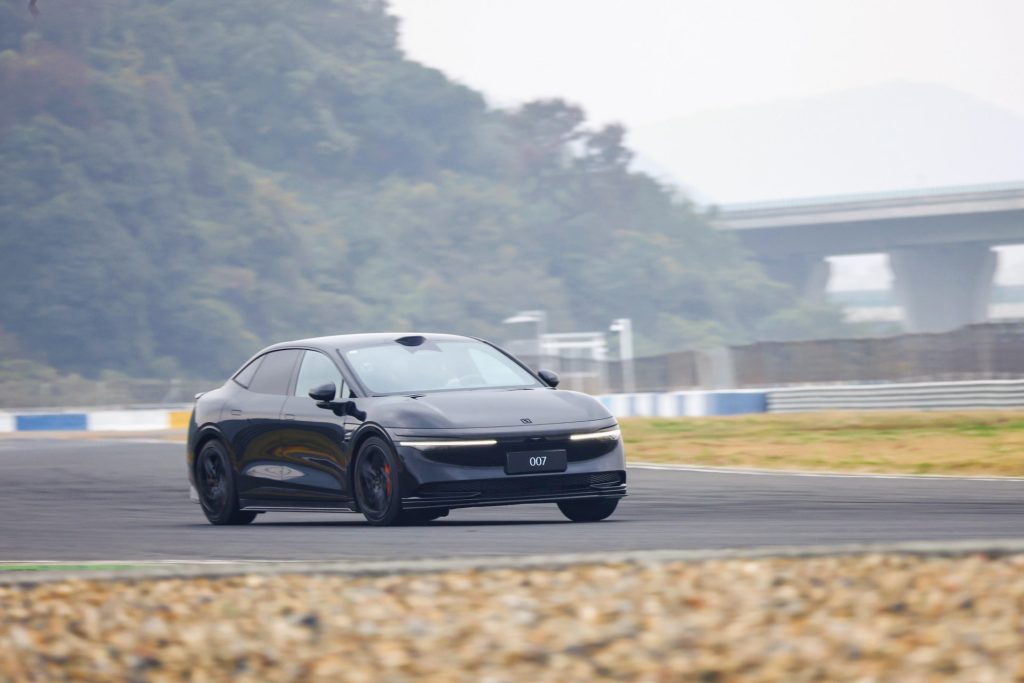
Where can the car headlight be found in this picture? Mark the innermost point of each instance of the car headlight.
(606, 435)
(447, 444)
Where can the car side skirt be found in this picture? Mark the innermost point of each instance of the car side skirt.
(452, 502)
(257, 505)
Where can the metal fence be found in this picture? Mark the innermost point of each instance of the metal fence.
(655, 373)
(978, 352)
(75, 392)
(990, 394)
(987, 351)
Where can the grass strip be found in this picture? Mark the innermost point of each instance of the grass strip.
(967, 443)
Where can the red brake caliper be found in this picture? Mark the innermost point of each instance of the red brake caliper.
(387, 479)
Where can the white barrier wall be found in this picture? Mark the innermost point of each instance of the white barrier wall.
(991, 394)
(685, 403)
(906, 396)
(127, 420)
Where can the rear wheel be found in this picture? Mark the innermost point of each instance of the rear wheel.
(215, 483)
(376, 483)
(588, 510)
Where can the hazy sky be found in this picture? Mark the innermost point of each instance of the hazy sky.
(641, 62)
(644, 61)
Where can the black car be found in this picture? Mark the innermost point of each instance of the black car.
(399, 427)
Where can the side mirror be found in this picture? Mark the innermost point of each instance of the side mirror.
(324, 397)
(550, 378)
(324, 392)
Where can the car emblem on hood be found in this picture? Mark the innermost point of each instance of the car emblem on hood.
(526, 420)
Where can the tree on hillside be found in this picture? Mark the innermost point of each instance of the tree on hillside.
(183, 182)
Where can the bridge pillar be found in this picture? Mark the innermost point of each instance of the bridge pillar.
(943, 287)
(808, 275)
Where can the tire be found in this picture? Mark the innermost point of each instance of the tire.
(375, 481)
(215, 483)
(421, 516)
(588, 510)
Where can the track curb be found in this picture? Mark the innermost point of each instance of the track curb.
(174, 569)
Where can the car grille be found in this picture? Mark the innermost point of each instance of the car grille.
(526, 485)
(494, 456)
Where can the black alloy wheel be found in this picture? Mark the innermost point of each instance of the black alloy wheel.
(593, 510)
(215, 483)
(376, 483)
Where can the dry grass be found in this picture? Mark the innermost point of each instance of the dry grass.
(908, 442)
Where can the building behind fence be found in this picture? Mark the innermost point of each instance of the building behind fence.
(978, 352)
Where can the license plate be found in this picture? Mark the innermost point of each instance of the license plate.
(535, 461)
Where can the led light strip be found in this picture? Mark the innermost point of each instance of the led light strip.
(446, 444)
(609, 435)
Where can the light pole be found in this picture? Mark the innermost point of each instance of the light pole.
(624, 326)
(541, 320)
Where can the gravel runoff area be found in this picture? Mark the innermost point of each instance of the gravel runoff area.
(895, 616)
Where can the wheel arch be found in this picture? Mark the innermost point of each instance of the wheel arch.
(206, 434)
(364, 432)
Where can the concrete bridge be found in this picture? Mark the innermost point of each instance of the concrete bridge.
(939, 242)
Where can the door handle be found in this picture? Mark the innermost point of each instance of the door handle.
(289, 416)
(236, 412)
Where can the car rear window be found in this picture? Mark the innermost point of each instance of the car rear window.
(275, 372)
(245, 375)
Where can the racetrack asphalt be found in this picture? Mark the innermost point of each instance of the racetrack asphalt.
(96, 500)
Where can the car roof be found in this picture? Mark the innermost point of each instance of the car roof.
(345, 342)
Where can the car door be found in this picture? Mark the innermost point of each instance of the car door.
(316, 459)
(252, 421)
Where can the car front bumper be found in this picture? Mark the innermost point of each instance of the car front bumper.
(465, 477)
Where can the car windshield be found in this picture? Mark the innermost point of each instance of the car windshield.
(395, 368)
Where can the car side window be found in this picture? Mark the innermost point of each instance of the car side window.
(245, 375)
(274, 374)
(317, 369)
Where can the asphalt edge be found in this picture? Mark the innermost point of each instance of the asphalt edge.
(370, 568)
(764, 471)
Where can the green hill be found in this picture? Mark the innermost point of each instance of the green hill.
(181, 182)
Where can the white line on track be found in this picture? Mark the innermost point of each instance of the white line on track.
(806, 473)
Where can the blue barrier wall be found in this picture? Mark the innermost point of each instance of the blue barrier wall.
(737, 403)
(50, 422)
(685, 403)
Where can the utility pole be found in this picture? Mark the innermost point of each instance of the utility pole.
(624, 326)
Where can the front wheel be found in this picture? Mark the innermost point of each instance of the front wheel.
(376, 483)
(215, 483)
(588, 510)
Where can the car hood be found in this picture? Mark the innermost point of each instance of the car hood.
(484, 408)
